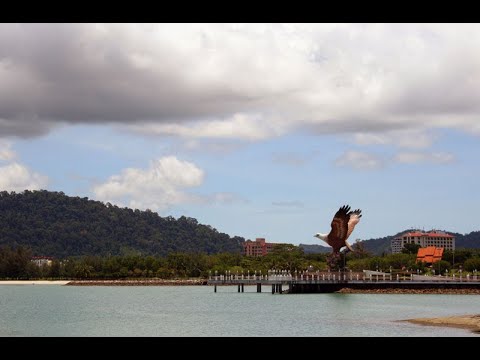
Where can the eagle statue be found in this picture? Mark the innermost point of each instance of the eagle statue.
(343, 224)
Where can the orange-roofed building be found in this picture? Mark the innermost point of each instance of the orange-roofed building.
(429, 254)
(434, 238)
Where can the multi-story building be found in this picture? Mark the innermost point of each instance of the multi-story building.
(431, 238)
(259, 247)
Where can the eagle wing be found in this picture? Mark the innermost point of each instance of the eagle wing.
(339, 232)
(353, 220)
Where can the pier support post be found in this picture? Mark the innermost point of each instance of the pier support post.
(280, 288)
(273, 288)
(238, 287)
(214, 288)
(259, 288)
(242, 288)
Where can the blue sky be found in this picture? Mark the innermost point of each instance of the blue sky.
(259, 130)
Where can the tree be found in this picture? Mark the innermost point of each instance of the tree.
(441, 266)
(410, 248)
(472, 264)
(360, 252)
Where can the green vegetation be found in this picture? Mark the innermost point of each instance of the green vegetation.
(16, 264)
(92, 240)
(410, 248)
(53, 224)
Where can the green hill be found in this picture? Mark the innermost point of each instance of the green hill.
(381, 245)
(53, 224)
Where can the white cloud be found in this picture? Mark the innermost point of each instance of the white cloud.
(6, 153)
(243, 81)
(360, 160)
(410, 138)
(239, 126)
(158, 187)
(421, 157)
(16, 177)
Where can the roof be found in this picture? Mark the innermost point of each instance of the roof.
(430, 254)
(427, 234)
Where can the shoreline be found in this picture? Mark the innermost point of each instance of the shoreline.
(441, 291)
(144, 282)
(34, 282)
(470, 322)
(203, 282)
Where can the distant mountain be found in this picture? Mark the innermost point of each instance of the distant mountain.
(382, 245)
(315, 249)
(53, 224)
(379, 246)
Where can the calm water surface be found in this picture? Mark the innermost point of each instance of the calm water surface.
(48, 310)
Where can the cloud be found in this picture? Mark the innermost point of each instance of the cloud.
(410, 138)
(6, 153)
(239, 126)
(17, 177)
(158, 187)
(360, 160)
(422, 157)
(241, 81)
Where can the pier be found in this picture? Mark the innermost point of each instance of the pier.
(281, 282)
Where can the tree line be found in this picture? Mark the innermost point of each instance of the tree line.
(15, 263)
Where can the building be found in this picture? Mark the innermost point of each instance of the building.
(42, 260)
(430, 254)
(424, 239)
(259, 247)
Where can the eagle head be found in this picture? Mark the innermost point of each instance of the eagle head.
(321, 236)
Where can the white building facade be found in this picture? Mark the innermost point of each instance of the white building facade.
(435, 238)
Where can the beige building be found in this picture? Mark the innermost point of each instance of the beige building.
(439, 239)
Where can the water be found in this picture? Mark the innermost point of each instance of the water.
(36, 310)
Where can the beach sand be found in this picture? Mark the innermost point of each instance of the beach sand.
(34, 282)
(461, 321)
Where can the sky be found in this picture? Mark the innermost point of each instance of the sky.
(259, 130)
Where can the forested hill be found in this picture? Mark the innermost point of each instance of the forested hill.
(53, 224)
(381, 246)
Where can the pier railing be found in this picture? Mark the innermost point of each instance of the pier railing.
(340, 276)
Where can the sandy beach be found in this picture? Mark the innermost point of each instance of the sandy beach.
(461, 321)
(34, 282)
(139, 282)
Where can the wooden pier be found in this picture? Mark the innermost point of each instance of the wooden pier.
(328, 282)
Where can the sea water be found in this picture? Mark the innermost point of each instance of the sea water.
(196, 311)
